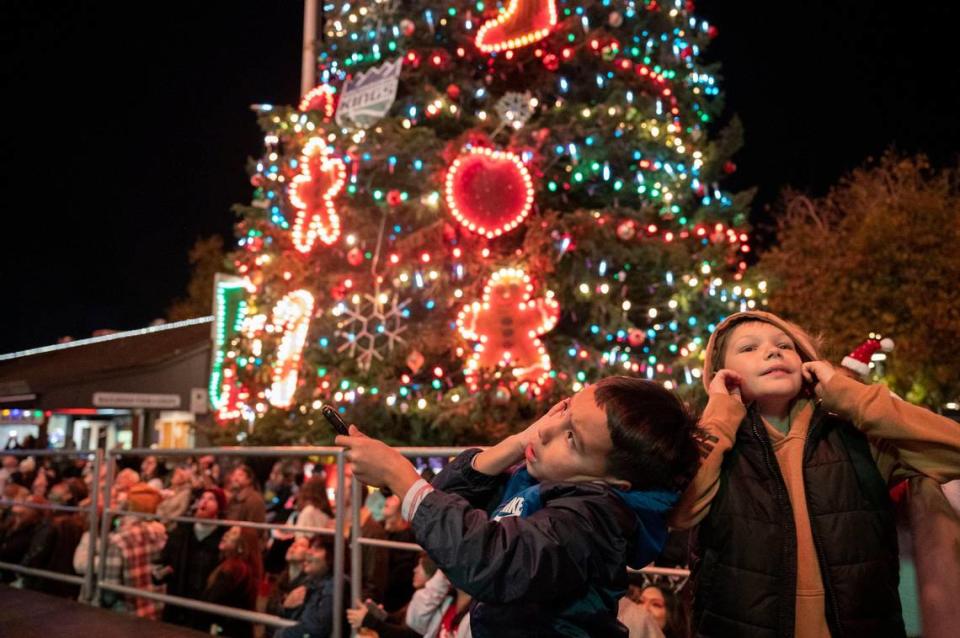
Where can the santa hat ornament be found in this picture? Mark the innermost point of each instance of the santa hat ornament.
(859, 359)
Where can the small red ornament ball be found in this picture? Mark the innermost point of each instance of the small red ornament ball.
(449, 233)
(551, 61)
(256, 180)
(407, 27)
(729, 167)
(355, 256)
(713, 31)
(394, 198)
(338, 292)
(636, 337)
(627, 229)
(453, 91)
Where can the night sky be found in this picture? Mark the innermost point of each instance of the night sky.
(127, 133)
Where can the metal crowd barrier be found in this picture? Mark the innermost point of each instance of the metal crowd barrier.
(86, 581)
(91, 589)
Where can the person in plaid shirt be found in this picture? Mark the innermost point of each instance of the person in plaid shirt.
(133, 550)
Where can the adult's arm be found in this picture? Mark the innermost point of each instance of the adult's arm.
(908, 440)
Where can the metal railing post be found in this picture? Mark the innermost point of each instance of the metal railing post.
(356, 568)
(100, 545)
(338, 550)
(87, 591)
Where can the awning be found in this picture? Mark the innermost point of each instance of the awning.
(160, 367)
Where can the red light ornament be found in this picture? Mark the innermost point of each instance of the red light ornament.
(312, 192)
(489, 192)
(522, 23)
(320, 98)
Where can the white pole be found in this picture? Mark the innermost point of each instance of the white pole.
(308, 72)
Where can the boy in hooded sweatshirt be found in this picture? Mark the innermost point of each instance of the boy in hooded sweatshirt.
(796, 532)
(540, 528)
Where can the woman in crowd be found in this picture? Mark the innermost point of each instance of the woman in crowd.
(313, 506)
(191, 554)
(150, 472)
(235, 581)
(400, 562)
(16, 537)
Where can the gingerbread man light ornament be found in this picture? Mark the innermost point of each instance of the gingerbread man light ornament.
(312, 192)
(507, 324)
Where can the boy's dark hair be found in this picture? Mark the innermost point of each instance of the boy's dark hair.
(652, 434)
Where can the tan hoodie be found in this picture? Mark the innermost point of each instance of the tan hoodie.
(905, 440)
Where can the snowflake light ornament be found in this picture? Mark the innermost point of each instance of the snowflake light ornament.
(371, 325)
(515, 108)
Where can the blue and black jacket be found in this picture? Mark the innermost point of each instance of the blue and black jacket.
(539, 559)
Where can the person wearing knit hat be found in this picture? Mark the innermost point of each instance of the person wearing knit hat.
(142, 497)
(133, 550)
(221, 498)
(795, 529)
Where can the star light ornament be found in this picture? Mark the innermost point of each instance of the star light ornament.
(312, 193)
(507, 324)
(371, 325)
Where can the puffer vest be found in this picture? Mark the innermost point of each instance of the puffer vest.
(746, 559)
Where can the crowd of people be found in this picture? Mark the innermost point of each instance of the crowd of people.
(283, 572)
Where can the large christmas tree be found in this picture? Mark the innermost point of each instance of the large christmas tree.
(481, 208)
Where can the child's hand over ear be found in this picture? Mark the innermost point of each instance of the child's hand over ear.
(511, 450)
(817, 373)
(727, 382)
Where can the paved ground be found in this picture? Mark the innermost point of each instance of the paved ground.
(30, 614)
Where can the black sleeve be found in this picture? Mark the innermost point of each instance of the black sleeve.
(551, 554)
(222, 589)
(41, 547)
(460, 478)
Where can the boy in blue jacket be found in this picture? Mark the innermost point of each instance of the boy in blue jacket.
(599, 472)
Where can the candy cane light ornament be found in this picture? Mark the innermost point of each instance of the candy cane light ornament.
(291, 316)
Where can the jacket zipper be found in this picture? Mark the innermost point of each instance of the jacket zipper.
(790, 539)
(833, 608)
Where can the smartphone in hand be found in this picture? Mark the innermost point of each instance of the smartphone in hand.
(331, 415)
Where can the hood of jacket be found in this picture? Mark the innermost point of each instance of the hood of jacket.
(651, 510)
(807, 346)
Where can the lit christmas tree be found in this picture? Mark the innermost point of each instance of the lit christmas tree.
(480, 209)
